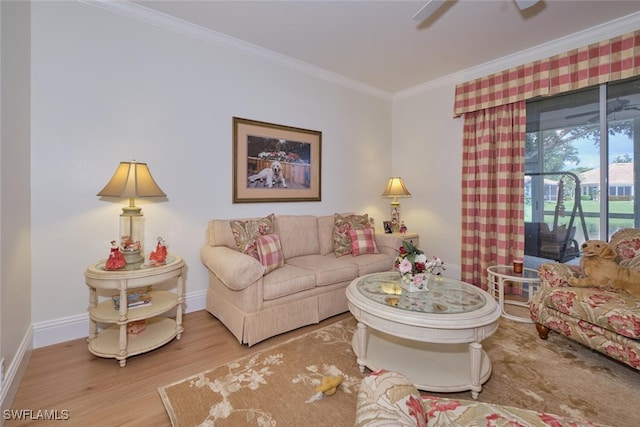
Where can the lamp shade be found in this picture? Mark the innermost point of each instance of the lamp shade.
(132, 179)
(396, 188)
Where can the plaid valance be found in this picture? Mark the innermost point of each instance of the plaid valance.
(614, 59)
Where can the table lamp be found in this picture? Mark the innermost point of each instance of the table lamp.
(395, 188)
(131, 180)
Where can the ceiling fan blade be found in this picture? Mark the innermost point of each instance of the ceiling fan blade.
(428, 9)
(525, 4)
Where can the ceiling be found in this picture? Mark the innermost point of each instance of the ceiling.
(377, 43)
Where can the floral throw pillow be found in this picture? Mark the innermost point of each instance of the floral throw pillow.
(363, 242)
(270, 252)
(246, 232)
(629, 248)
(342, 224)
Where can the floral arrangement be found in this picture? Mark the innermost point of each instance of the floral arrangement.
(412, 261)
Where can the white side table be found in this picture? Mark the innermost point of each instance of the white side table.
(499, 275)
(114, 341)
(411, 237)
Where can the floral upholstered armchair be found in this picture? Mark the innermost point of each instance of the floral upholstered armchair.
(388, 398)
(605, 320)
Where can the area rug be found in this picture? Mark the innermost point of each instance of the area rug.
(272, 387)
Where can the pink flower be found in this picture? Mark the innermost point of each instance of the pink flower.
(405, 266)
(416, 410)
(418, 280)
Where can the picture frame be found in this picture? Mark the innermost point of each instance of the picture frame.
(387, 227)
(275, 163)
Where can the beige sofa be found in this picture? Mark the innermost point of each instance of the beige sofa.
(308, 288)
(606, 320)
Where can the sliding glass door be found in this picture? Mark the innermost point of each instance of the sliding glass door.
(580, 168)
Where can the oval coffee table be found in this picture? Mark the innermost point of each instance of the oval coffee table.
(432, 337)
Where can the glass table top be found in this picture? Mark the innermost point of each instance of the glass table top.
(444, 295)
(137, 266)
(507, 270)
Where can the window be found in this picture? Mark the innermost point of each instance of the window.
(581, 151)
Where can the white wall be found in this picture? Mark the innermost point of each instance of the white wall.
(107, 88)
(427, 153)
(15, 207)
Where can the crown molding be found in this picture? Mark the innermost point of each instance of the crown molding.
(595, 34)
(171, 23)
(592, 35)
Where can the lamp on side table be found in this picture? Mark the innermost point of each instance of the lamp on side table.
(395, 189)
(131, 180)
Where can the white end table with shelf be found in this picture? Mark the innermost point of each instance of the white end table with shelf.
(410, 237)
(114, 341)
(499, 275)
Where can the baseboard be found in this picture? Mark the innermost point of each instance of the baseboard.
(14, 372)
(75, 327)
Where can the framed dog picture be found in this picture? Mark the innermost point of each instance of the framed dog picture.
(275, 163)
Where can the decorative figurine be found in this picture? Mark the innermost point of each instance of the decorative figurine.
(159, 255)
(116, 260)
(403, 228)
(129, 245)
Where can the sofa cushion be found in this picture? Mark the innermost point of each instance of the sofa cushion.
(616, 311)
(287, 280)
(368, 263)
(388, 398)
(245, 233)
(270, 252)
(325, 234)
(219, 233)
(327, 269)
(298, 235)
(341, 226)
(363, 242)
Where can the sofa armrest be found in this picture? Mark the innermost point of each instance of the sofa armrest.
(388, 398)
(235, 269)
(556, 275)
(388, 243)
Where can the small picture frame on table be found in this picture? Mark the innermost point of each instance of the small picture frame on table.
(387, 227)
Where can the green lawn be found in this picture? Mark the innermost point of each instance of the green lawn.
(591, 210)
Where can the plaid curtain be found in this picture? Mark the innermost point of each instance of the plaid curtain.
(614, 59)
(494, 109)
(506, 87)
(492, 189)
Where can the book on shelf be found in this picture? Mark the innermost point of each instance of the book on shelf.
(135, 298)
(139, 303)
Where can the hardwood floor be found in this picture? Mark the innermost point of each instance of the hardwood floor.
(98, 392)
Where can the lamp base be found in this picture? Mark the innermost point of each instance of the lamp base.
(133, 257)
(395, 216)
